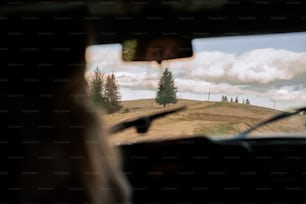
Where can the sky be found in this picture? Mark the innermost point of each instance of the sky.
(269, 70)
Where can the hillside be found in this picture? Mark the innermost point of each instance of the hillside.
(200, 118)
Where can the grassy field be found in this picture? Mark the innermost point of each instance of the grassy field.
(200, 118)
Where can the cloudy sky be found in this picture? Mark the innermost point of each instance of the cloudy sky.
(269, 70)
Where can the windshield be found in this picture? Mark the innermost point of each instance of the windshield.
(229, 85)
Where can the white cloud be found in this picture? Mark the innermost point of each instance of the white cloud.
(288, 94)
(276, 74)
(129, 94)
(257, 66)
(141, 80)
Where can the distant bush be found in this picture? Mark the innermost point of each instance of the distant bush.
(126, 110)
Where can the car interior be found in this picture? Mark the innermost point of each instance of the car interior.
(198, 169)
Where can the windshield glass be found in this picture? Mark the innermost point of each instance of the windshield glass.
(229, 85)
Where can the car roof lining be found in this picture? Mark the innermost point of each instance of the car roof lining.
(115, 21)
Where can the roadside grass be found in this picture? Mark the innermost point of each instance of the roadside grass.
(217, 129)
(200, 118)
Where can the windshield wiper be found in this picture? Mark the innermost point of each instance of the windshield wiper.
(280, 116)
(143, 123)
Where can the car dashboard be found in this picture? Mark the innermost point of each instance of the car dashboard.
(201, 170)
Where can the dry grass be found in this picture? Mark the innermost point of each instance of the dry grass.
(200, 118)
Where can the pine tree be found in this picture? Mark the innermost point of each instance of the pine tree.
(166, 92)
(236, 99)
(112, 94)
(247, 101)
(96, 89)
(232, 100)
(222, 99)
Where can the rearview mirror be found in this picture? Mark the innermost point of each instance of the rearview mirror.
(156, 49)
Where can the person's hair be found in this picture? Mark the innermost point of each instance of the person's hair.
(53, 144)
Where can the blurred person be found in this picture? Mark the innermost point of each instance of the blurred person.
(53, 145)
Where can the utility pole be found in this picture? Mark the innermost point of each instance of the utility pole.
(274, 104)
(208, 94)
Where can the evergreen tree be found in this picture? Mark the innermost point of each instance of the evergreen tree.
(96, 89)
(222, 99)
(166, 92)
(232, 100)
(247, 101)
(112, 94)
(236, 99)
